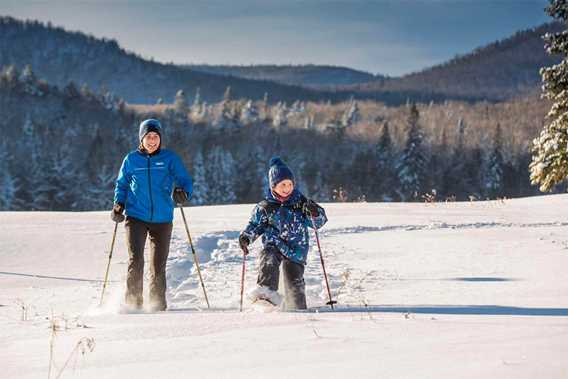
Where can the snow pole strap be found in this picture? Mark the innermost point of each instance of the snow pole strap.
(194, 255)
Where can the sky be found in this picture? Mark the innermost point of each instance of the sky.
(389, 37)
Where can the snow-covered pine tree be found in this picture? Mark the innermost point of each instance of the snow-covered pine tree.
(384, 178)
(29, 80)
(200, 185)
(280, 116)
(196, 110)
(309, 122)
(549, 164)
(228, 95)
(412, 163)
(351, 115)
(99, 191)
(441, 166)
(181, 107)
(494, 167)
(220, 173)
(197, 99)
(459, 182)
(11, 75)
(251, 168)
(249, 113)
(8, 182)
(228, 116)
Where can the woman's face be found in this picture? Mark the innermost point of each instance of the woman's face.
(151, 142)
(284, 188)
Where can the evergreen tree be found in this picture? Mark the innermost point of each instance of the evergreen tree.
(229, 116)
(280, 118)
(220, 176)
(494, 170)
(412, 163)
(249, 113)
(459, 181)
(251, 169)
(549, 165)
(384, 178)
(441, 167)
(351, 115)
(362, 175)
(99, 193)
(228, 96)
(181, 107)
(200, 184)
(8, 182)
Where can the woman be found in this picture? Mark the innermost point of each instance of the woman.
(144, 192)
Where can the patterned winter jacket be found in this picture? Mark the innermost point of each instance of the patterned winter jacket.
(284, 225)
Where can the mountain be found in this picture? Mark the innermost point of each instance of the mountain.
(60, 56)
(499, 71)
(315, 76)
(495, 72)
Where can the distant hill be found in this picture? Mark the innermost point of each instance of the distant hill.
(498, 71)
(315, 76)
(61, 56)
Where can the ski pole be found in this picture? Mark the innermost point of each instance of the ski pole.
(330, 302)
(194, 255)
(245, 253)
(108, 264)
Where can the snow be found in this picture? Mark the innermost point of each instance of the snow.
(466, 290)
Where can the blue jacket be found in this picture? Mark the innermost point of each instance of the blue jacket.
(284, 225)
(145, 184)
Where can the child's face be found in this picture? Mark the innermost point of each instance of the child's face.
(284, 188)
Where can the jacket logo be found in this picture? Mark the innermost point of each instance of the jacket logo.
(159, 163)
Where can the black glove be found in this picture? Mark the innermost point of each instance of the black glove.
(116, 214)
(310, 208)
(244, 242)
(179, 195)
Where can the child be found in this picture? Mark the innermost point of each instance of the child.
(282, 219)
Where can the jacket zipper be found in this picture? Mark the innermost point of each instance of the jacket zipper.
(150, 191)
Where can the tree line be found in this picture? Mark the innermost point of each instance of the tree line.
(63, 147)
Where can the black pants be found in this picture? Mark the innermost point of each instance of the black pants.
(293, 275)
(160, 235)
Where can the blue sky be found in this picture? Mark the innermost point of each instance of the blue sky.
(381, 36)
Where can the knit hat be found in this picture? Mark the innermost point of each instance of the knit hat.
(278, 172)
(149, 125)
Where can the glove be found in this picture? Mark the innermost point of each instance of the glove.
(244, 242)
(310, 208)
(116, 214)
(179, 196)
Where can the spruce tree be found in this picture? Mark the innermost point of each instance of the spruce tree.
(8, 182)
(549, 164)
(412, 163)
(181, 107)
(200, 184)
(384, 178)
(494, 170)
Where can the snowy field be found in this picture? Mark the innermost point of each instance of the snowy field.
(456, 290)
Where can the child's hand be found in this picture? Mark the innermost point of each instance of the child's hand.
(310, 208)
(244, 242)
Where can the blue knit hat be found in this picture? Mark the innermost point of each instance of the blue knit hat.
(150, 125)
(278, 172)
